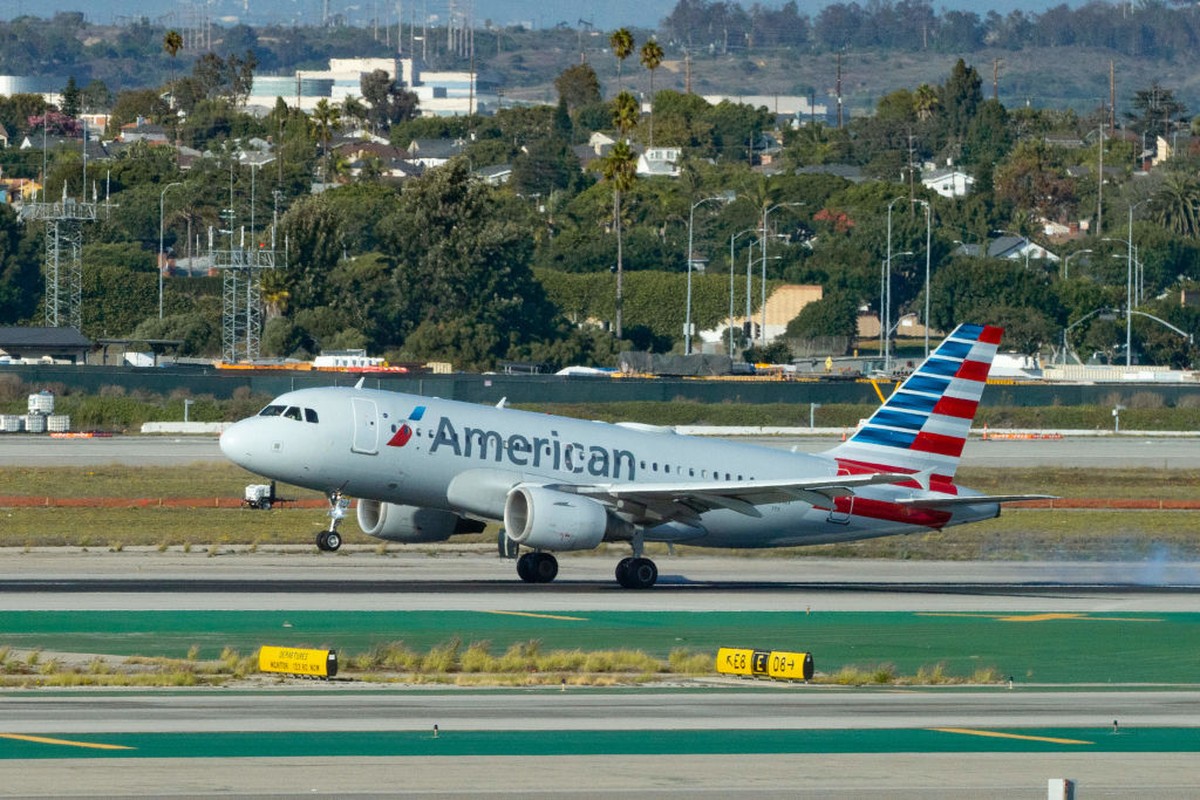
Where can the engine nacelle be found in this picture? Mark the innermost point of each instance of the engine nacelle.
(544, 519)
(411, 524)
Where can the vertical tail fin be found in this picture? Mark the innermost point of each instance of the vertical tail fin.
(923, 425)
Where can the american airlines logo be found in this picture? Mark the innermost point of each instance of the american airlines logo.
(538, 452)
(401, 437)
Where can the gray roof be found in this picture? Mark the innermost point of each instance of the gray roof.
(42, 337)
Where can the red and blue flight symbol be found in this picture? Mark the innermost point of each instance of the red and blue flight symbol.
(401, 437)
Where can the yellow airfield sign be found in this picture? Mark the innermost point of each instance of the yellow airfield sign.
(298, 661)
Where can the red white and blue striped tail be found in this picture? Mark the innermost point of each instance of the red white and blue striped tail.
(923, 425)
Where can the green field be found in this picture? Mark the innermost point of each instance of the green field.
(1032, 648)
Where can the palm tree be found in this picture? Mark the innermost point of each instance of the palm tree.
(353, 109)
(621, 42)
(326, 117)
(1176, 204)
(925, 101)
(620, 167)
(652, 58)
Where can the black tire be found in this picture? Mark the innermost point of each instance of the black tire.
(322, 544)
(622, 571)
(265, 505)
(642, 573)
(545, 568)
(333, 540)
(525, 567)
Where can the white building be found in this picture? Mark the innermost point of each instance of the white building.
(948, 182)
(438, 93)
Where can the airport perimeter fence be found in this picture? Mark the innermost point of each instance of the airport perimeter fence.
(474, 388)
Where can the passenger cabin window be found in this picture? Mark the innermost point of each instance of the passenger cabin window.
(310, 415)
(271, 411)
(292, 413)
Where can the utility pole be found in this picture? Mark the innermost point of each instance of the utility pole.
(838, 90)
(996, 62)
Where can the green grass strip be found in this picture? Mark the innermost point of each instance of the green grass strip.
(601, 742)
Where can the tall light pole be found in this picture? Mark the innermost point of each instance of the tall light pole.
(766, 213)
(928, 242)
(887, 309)
(162, 196)
(732, 239)
(687, 325)
(1067, 262)
(1129, 288)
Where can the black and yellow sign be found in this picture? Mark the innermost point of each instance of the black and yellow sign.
(778, 664)
(298, 661)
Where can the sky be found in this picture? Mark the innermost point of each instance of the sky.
(606, 15)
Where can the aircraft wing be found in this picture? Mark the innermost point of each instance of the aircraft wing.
(659, 502)
(949, 501)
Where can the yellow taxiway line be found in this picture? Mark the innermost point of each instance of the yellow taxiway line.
(20, 737)
(998, 735)
(536, 616)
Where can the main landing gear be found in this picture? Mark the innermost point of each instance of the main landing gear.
(637, 572)
(330, 540)
(537, 567)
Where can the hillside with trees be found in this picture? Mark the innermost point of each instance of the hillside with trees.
(571, 264)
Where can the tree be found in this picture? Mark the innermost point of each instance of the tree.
(620, 169)
(578, 86)
(961, 95)
(389, 101)
(652, 58)
(1156, 109)
(1176, 204)
(925, 102)
(621, 42)
(20, 273)
(71, 98)
(325, 118)
(460, 269)
(835, 314)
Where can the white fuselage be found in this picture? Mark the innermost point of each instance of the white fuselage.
(465, 458)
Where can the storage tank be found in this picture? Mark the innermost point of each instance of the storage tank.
(58, 423)
(35, 423)
(41, 403)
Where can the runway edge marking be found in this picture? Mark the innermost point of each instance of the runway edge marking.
(536, 616)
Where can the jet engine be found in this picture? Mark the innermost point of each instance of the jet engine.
(411, 524)
(545, 519)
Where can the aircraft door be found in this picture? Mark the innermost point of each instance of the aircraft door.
(366, 426)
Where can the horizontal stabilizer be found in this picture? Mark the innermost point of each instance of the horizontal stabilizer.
(970, 500)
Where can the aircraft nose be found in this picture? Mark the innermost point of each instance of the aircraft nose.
(233, 443)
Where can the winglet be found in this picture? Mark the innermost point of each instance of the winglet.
(503, 402)
(359, 384)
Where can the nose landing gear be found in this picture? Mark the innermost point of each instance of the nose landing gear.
(330, 540)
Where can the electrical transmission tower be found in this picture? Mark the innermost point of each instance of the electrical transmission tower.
(64, 256)
(241, 293)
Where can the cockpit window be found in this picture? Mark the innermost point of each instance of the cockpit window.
(272, 411)
(310, 415)
(292, 413)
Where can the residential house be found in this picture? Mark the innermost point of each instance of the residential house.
(495, 175)
(948, 181)
(1009, 247)
(434, 152)
(660, 161)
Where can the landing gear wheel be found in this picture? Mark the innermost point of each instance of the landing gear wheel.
(333, 540)
(537, 567)
(322, 541)
(639, 573)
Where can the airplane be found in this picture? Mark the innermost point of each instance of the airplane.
(425, 469)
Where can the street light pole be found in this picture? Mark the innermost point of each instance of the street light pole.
(928, 241)
(162, 196)
(766, 213)
(687, 325)
(887, 310)
(732, 239)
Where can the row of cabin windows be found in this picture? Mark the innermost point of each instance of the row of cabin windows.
(290, 412)
(666, 468)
